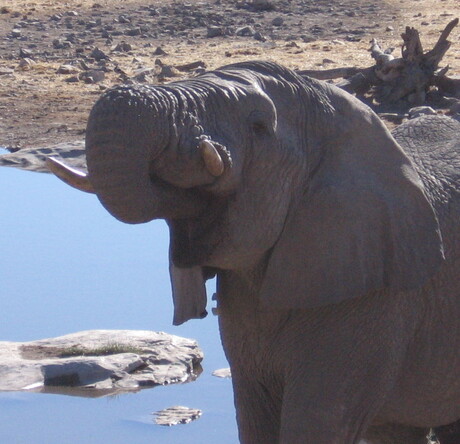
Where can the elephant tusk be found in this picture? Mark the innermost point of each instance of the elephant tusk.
(70, 176)
(212, 160)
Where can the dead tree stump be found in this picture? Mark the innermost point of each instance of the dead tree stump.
(408, 77)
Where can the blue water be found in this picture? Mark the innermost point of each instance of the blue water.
(66, 265)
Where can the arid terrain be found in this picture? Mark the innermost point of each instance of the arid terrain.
(57, 57)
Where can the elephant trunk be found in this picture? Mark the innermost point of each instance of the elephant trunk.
(139, 162)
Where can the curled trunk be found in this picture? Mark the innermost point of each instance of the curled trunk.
(128, 131)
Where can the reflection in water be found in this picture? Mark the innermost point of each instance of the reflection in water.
(91, 391)
(176, 415)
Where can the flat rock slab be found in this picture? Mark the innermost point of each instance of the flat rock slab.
(99, 362)
(34, 159)
(176, 415)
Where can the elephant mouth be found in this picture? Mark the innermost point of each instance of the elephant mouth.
(193, 240)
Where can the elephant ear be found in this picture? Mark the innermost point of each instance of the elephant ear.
(189, 293)
(362, 224)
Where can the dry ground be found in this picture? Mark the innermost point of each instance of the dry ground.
(39, 106)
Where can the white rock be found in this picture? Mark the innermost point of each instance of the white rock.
(154, 358)
(222, 373)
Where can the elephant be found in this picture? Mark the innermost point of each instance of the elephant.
(335, 245)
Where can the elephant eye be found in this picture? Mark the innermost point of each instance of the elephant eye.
(259, 128)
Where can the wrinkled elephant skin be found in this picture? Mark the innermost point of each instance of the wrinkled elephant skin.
(336, 248)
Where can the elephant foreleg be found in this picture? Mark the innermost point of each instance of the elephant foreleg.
(258, 411)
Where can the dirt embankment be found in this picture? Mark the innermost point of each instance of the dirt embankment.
(57, 57)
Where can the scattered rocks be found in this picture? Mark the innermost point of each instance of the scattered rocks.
(91, 36)
(176, 415)
(99, 363)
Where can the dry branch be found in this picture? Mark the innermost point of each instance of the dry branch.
(391, 79)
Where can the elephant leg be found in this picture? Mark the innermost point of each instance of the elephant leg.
(258, 411)
(396, 434)
(324, 415)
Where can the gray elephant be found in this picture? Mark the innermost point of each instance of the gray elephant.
(336, 252)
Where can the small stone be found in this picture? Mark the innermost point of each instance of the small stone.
(98, 54)
(67, 69)
(92, 76)
(133, 32)
(143, 75)
(278, 21)
(25, 53)
(73, 79)
(123, 19)
(159, 52)
(6, 71)
(418, 111)
(307, 38)
(61, 44)
(389, 28)
(259, 37)
(16, 33)
(245, 31)
(222, 373)
(168, 71)
(123, 47)
(261, 5)
(214, 31)
(26, 63)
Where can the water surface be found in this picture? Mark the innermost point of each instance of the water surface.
(66, 265)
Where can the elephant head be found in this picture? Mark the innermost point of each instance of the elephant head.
(253, 164)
